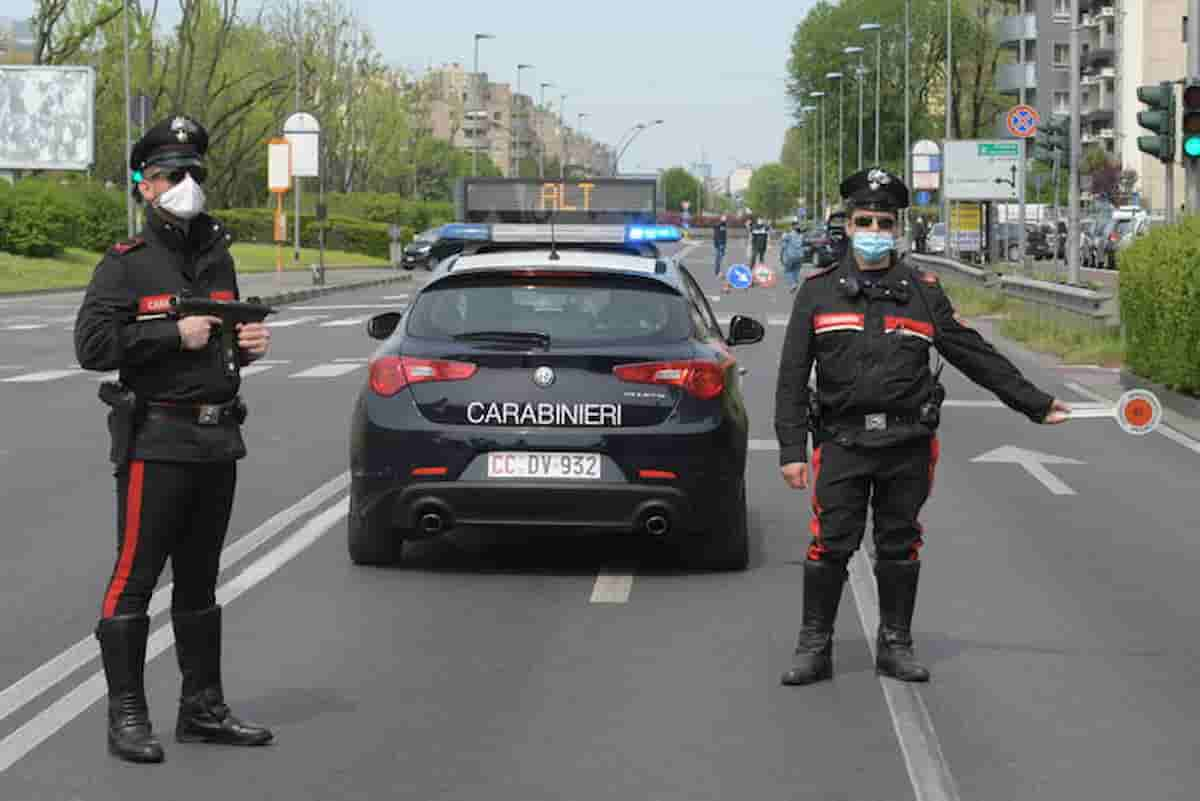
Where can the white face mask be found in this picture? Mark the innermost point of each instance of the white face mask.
(185, 200)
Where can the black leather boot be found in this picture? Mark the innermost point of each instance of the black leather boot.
(897, 582)
(813, 660)
(123, 651)
(203, 715)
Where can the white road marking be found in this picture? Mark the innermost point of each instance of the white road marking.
(25, 690)
(294, 321)
(74, 703)
(326, 370)
(342, 323)
(274, 361)
(37, 378)
(27, 327)
(12, 367)
(928, 770)
(1034, 464)
(1178, 437)
(255, 369)
(355, 359)
(612, 588)
(763, 445)
(350, 307)
(395, 297)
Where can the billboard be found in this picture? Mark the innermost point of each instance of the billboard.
(47, 118)
(981, 169)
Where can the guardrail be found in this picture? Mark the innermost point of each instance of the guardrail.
(1097, 310)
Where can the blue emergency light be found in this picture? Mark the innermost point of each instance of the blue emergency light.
(652, 233)
(467, 232)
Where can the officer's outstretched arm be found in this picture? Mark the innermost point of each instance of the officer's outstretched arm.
(966, 349)
(791, 391)
(106, 335)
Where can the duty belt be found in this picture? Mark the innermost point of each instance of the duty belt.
(872, 422)
(205, 414)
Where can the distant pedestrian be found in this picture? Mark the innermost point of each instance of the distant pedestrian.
(791, 255)
(760, 233)
(920, 234)
(720, 239)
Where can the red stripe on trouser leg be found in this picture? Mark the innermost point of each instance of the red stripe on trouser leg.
(133, 519)
(817, 549)
(935, 451)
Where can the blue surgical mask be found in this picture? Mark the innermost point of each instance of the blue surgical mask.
(873, 246)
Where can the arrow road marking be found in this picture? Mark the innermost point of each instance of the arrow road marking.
(1034, 463)
(612, 589)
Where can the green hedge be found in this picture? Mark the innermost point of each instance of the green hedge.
(391, 209)
(341, 233)
(40, 218)
(1160, 305)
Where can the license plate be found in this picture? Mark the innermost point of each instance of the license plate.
(543, 465)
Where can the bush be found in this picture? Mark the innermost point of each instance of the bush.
(40, 219)
(100, 220)
(341, 233)
(391, 209)
(1160, 305)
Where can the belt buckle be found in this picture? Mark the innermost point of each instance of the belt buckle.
(210, 415)
(876, 422)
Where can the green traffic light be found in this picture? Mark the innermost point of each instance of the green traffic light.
(1191, 146)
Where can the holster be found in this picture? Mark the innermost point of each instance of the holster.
(930, 413)
(127, 413)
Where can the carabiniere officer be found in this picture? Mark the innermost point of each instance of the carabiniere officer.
(176, 439)
(868, 322)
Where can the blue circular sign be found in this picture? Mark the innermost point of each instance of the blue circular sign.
(740, 276)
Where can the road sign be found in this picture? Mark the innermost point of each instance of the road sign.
(972, 166)
(1138, 412)
(923, 198)
(279, 165)
(1022, 121)
(740, 276)
(304, 132)
(764, 276)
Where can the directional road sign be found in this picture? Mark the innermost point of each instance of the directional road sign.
(740, 276)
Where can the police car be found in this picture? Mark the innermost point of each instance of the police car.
(565, 377)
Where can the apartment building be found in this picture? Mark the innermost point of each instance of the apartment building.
(473, 112)
(1124, 44)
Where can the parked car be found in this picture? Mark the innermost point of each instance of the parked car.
(1039, 241)
(1118, 234)
(429, 248)
(936, 241)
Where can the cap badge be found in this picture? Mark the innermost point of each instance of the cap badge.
(878, 178)
(180, 126)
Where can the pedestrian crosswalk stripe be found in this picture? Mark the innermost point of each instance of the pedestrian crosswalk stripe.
(326, 371)
(255, 369)
(346, 322)
(295, 321)
(25, 327)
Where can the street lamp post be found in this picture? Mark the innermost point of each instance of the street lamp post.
(820, 96)
(837, 76)
(875, 26)
(807, 110)
(477, 103)
(516, 135)
(907, 102)
(579, 126)
(860, 72)
(636, 131)
(562, 127)
(542, 131)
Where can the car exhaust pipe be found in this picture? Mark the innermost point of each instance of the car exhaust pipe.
(432, 523)
(657, 525)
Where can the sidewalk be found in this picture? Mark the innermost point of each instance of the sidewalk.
(295, 286)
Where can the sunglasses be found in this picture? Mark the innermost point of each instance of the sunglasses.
(884, 223)
(175, 176)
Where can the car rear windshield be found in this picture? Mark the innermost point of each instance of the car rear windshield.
(570, 310)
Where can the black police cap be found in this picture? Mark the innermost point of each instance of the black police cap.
(175, 142)
(875, 189)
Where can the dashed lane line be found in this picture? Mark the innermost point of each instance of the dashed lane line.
(74, 703)
(37, 378)
(33, 685)
(327, 370)
(612, 588)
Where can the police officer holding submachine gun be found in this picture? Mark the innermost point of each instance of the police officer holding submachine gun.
(163, 309)
(868, 322)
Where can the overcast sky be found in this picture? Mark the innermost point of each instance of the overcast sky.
(717, 77)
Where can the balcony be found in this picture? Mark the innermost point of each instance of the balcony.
(1010, 78)
(1107, 11)
(1099, 114)
(1097, 56)
(1108, 133)
(1016, 29)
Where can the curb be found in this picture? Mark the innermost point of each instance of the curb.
(1175, 401)
(301, 295)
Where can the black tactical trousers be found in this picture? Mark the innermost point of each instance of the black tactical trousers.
(169, 509)
(895, 481)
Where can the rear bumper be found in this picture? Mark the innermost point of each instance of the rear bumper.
(598, 506)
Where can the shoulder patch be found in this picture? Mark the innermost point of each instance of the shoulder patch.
(121, 248)
(823, 271)
(927, 277)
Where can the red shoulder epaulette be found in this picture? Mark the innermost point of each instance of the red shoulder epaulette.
(121, 248)
(822, 271)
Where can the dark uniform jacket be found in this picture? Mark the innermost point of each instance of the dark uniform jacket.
(872, 356)
(135, 279)
(720, 235)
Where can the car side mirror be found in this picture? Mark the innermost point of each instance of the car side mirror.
(745, 331)
(382, 326)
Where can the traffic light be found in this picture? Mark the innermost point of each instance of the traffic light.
(1191, 120)
(1160, 118)
(1053, 140)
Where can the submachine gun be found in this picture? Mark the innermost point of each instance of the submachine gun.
(231, 312)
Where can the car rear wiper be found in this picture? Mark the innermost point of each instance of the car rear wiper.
(507, 337)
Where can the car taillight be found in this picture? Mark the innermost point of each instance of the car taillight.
(703, 379)
(390, 374)
(1114, 237)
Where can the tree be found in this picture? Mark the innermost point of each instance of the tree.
(773, 191)
(679, 185)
